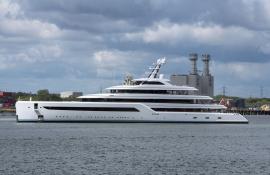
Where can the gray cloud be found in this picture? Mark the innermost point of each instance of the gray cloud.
(245, 13)
(82, 41)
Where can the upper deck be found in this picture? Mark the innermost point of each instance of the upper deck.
(153, 86)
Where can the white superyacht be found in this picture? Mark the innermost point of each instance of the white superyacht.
(151, 99)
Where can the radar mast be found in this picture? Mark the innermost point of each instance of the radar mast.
(156, 68)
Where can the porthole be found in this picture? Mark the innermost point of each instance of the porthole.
(195, 117)
(206, 117)
(35, 106)
(219, 118)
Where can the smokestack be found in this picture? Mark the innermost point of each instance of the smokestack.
(193, 57)
(206, 60)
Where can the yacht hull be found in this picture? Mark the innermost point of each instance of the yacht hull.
(38, 111)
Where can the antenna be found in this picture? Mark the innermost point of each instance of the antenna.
(224, 91)
(100, 88)
(261, 91)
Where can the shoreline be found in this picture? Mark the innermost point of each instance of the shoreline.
(7, 110)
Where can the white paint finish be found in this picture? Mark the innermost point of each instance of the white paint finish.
(25, 111)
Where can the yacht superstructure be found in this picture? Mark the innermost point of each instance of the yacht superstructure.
(151, 99)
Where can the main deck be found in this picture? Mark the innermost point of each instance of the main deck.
(31, 111)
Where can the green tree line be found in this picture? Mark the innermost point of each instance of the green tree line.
(42, 95)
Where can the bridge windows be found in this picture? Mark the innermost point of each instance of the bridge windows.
(145, 91)
(182, 101)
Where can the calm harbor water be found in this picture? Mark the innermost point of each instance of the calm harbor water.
(126, 148)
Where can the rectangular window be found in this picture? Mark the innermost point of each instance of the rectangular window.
(116, 109)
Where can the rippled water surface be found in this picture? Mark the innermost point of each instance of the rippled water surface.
(126, 148)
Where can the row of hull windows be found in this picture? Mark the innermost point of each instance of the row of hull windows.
(182, 101)
(179, 92)
(92, 117)
(113, 109)
(147, 82)
(103, 117)
(116, 109)
(186, 110)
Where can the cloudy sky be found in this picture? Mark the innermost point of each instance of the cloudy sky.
(86, 45)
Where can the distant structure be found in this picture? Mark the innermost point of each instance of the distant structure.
(68, 94)
(224, 91)
(7, 99)
(204, 82)
(261, 91)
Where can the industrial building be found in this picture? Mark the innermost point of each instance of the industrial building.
(204, 82)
